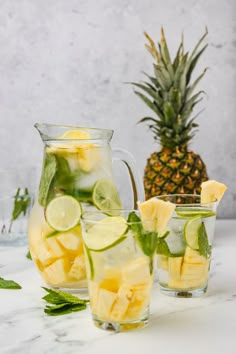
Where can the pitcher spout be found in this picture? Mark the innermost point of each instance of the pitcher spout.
(52, 132)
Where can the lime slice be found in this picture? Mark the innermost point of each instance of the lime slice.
(105, 196)
(106, 234)
(194, 212)
(191, 231)
(63, 213)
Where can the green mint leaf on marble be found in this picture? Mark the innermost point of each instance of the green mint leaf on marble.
(28, 255)
(8, 284)
(62, 303)
(63, 309)
(204, 247)
(49, 171)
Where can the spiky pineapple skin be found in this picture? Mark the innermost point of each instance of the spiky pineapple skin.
(174, 172)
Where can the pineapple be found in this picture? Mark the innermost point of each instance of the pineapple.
(170, 94)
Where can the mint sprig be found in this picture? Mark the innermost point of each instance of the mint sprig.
(162, 247)
(62, 303)
(28, 255)
(203, 243)
(146, 239)
(21, 204)
(8, 284)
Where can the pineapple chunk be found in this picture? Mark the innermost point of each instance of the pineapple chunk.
(54, 247)
(44, 255)
(187, 284)
(193, 256)
(70, 240)
(111, 280)
(56, 273)
(212, 190)
(174, 267)
(77, 270)
(139, 300)
(136, 271)
(162, 262)
(89, 157)
(121, 304)
(105, 302)
(93, 294)
(193, 271)
(155, 214)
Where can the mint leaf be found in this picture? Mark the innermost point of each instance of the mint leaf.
(8, 284)
(49, 170)
(162, 247)
(28, 255)
(62, 303)
(146, 239)
(21, 204)
(58, 297)
(63, 309)
(203, 244)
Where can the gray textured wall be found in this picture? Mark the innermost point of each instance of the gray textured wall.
(66, 62)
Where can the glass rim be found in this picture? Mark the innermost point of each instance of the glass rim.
(120, 212)
(187, 196)
(107, 133)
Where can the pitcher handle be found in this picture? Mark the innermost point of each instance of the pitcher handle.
(125, 156)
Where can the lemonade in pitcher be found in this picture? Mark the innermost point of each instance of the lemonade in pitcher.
(77, 176)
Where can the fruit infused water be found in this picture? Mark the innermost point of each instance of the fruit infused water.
(184, 248)
(76, 176)
(119, 255)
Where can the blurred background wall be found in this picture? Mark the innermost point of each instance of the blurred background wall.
(66, 62)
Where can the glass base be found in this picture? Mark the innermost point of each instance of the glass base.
(186, 293)
(120, 327)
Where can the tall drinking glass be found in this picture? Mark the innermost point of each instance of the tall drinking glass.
(119, 254)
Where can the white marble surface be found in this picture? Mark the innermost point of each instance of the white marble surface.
(66, 62)
(206, 325)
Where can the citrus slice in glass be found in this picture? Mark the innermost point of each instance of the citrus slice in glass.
(192, 212)
(105, 196)
(191, 232)
(63, 213)
(106, 233)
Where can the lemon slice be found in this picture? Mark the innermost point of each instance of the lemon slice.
(105, 196)
(75, 134)
(191, 232)
(63, 213)
(107, 233)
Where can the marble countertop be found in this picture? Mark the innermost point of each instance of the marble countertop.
(202, 325)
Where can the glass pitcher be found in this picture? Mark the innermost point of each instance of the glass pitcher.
(77, 176)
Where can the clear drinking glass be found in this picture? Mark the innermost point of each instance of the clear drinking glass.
(16, 199)
(184, 250)
(119, 253)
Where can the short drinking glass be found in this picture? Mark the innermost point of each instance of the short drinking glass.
(184, 250)
(119, 252)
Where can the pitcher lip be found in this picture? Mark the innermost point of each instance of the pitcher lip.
(102, 134)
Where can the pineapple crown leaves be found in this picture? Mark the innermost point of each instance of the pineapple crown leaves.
(170, 93)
